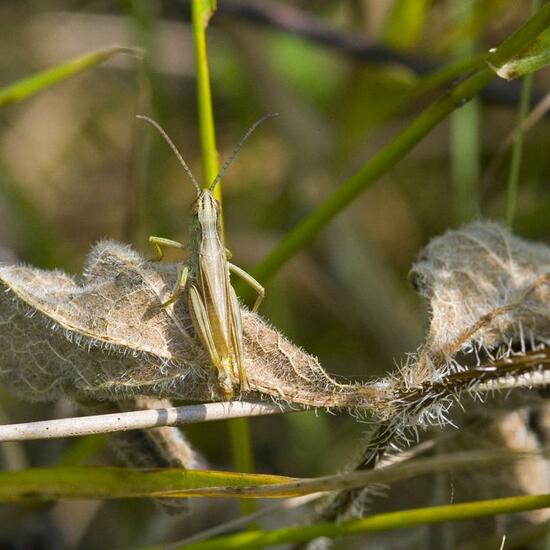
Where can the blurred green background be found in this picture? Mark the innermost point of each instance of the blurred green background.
(76, 166)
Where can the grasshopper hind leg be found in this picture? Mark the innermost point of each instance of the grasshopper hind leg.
(237, 338)
(247, 278)
(203, 329)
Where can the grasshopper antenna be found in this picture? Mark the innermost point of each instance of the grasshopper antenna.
(174, 148)
(235, 152)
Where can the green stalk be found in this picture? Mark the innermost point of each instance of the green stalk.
(465, 161)
(380, 522)
(448, 73)
(199, 21)
(98, 483)
(243, 458)
(143, 207)
(239, 429)
(464, 135)
(454, 98)
(29, 86)
(517, 150)
(39, 241)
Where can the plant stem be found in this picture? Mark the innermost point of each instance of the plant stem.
(136, 420)
(142, 207)
(39, 81)
(380, 522)
(452, 99)
(204, 98)
(517, 150)
(464, 135)
(243, 458)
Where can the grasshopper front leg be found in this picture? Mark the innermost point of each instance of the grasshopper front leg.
(237, 337)
(159, 242)
(247, 278)
(183, 272)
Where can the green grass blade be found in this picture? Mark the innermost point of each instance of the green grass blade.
(465, 133)
(243, 458)
(534, 57)
(379, 522)
(448, 73)
(517, 150)
(200, 13)
(29, 86)
(107, 482)
(80, 482)
(39, 240)
(458, 461)
(465, 161)
(81, 450)
(454, 98)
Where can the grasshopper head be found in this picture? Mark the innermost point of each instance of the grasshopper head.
(206, 208)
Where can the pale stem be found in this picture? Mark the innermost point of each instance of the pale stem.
(138, 420)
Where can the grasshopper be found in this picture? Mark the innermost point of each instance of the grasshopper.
(213, 304)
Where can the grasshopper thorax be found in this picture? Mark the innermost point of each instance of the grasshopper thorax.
(206, 207)
(206, 217)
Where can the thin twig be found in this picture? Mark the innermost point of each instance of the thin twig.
(136, 420)
(237, 523)
(496, 375)
(540, 110)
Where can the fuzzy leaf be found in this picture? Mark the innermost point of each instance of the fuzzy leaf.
(468, 273)
(487, 290)
(106, 337)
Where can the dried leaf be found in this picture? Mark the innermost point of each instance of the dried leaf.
(106, 336)
(487, 290)
(488, 295)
